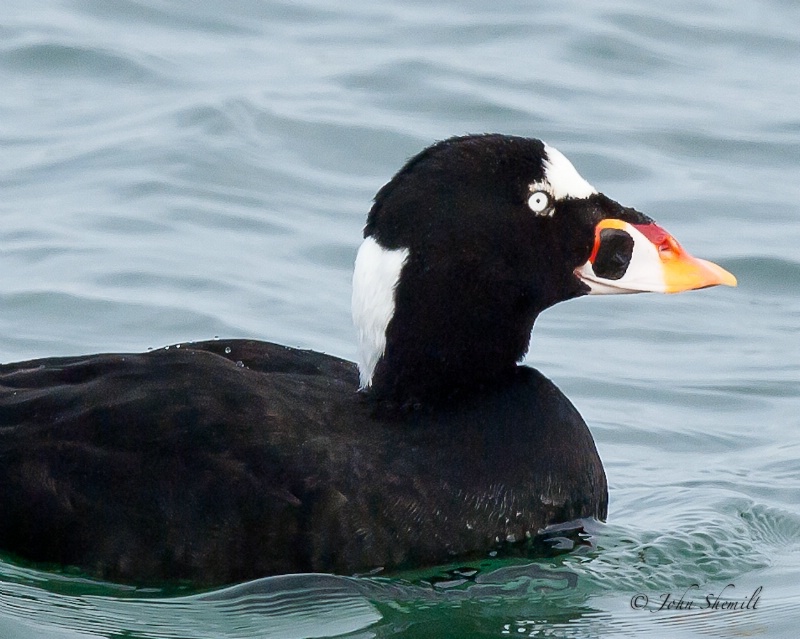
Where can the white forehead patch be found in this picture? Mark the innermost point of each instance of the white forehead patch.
(376, 273)
(564, 180)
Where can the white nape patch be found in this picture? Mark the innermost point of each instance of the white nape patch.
(564, 180)
(375, 277)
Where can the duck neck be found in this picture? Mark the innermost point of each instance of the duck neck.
(445, 332)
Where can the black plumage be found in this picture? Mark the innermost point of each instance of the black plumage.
(213, 466)
(228, 460)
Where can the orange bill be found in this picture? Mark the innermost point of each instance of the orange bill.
(637, 258)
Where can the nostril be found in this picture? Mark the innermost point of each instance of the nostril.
(668, 248)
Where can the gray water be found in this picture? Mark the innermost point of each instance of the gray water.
(175, 171)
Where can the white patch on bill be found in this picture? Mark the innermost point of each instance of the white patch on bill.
(377, 271)
(645, 272)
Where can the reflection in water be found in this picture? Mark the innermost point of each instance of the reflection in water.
(584, 593)
(291, 606)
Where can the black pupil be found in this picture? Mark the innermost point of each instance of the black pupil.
(613, 254)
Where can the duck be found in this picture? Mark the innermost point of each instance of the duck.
(227, 460)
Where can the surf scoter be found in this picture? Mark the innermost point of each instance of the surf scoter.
(228, 460)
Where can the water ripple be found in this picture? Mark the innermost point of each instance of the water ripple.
(49, 58)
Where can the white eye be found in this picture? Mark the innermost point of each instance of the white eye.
(539, 201)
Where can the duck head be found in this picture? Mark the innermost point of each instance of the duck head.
(470, 241)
